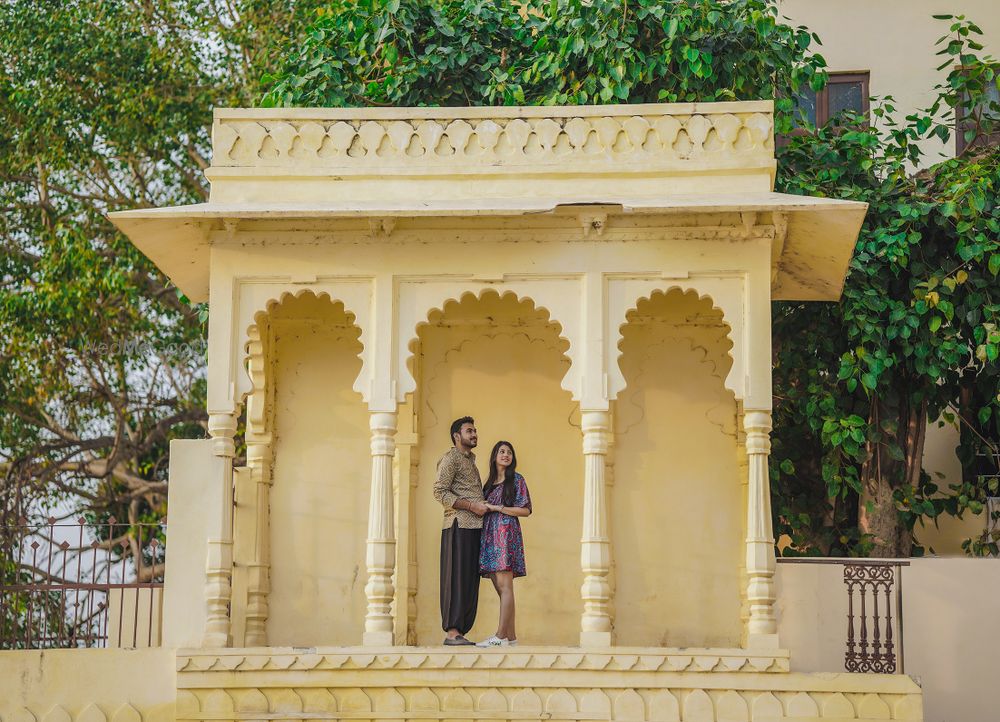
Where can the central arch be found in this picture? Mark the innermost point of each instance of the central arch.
(501, 360)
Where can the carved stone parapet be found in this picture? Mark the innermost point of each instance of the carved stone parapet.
(635, 685)
(624, 659)
(483, 138)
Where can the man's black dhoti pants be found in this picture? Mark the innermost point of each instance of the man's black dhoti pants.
(459, 577)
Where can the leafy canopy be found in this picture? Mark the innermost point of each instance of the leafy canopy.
(470, 52)
(106, 105)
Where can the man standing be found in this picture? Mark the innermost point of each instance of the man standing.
(459, 489)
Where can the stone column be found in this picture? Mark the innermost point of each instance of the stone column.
(381, 555)
(218, 583)
(595, 552)
(258, 441)
(259, 583)
(761, 626)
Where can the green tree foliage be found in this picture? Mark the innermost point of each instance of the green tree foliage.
(915, 336)
(469, 52)
(106, 105)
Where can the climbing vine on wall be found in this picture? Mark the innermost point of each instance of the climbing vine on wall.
(915, 337)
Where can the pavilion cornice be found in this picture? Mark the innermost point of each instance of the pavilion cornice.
(811, 238)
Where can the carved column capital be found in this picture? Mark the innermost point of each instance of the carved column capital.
(222, 429)
(757, 426)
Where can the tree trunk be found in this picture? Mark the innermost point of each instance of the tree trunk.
(881, 475)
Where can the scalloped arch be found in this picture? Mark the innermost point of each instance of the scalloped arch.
(273, 303)
(411, 334)
(259, 301)
(733, 380)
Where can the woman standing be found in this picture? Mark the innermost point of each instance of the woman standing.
(501, 556)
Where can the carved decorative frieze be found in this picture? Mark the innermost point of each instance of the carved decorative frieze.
(541, 658)
(90, 713)
(461, 138)
(537, 684)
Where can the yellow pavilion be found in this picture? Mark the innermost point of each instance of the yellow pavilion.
(593, 284)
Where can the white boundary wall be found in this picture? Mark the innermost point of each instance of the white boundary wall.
(951, 629)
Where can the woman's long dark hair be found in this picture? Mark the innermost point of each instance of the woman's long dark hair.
(509, 488)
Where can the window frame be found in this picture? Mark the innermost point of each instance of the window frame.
(960, 143)
(841, 77)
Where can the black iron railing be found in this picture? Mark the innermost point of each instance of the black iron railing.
(874, 632)
(80, 584)
(873, 641)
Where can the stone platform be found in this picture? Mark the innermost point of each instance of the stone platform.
(527, 683)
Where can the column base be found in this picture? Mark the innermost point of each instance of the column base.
(595, 639)
(215, 640)
(376, 639)
(761, 641)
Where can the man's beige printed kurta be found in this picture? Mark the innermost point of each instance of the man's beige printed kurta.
(458, 478)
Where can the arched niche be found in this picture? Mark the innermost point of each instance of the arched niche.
(311, 525)
(676, 504)
(255, 299)
(558, 297)
(726, 293)
(500, 359)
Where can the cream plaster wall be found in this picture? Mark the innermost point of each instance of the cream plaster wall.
(894, 39)
(88, 685)
(191, 503)
(501, 362)
(675, 514)
(950, 629)
(322, 466)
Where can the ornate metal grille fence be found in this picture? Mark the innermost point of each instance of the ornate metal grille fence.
(80, 584)
(874, 634)
(874, 638)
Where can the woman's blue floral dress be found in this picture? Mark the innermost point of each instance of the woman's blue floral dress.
(502, 547)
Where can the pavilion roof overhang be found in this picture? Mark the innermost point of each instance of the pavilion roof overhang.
(510, 167)
(808, 263)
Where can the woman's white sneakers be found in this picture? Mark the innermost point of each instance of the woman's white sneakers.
(495, 641)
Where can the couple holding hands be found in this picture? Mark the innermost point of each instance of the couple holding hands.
(481, 536)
